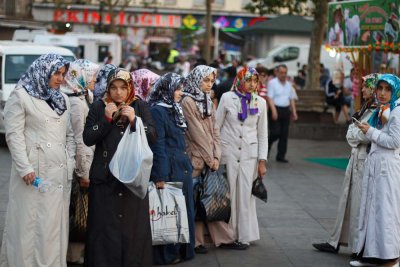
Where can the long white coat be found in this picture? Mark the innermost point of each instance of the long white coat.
(243, 144)
(345, 229)
(36, 228)
(379, 224)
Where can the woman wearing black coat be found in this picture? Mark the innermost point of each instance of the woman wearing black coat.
(118, 231)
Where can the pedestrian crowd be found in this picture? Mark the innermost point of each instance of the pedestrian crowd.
(67, 125)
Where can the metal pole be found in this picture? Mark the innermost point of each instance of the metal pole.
(216, 40)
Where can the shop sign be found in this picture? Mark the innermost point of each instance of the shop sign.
(122, 18)
(227, 23)
(373, 23)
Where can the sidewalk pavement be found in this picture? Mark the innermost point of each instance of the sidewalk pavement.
(301, 209)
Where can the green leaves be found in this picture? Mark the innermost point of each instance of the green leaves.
(297, 7)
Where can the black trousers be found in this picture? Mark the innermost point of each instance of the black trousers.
(279, 129)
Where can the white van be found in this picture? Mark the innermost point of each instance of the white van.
(92, 46)
(295, 56)
(15, 58)
(96, 46)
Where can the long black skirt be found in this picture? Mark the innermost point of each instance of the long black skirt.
(118, 231)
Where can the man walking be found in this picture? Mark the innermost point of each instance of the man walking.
(282, 104)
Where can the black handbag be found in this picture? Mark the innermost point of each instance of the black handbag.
(78, 211)
(213, 197)
(259, 190)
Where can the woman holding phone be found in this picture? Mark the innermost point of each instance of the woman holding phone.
(344, 232)
(379, 223)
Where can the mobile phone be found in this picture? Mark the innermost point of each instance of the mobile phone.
(356, 122)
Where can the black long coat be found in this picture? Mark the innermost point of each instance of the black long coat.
(118, 231)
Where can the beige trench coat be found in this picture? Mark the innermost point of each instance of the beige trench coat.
(36, 228)
(203, 145)
(243, 144)
(345, 229)
(202, 138)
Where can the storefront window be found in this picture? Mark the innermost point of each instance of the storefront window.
(170, 2)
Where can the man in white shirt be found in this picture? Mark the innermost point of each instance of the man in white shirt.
(281, 100)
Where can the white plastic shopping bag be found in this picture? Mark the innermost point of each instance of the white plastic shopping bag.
(168, 215)
(133, 160)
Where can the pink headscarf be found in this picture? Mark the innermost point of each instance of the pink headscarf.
(144, 79)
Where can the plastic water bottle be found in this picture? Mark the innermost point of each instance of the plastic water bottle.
(42, 186)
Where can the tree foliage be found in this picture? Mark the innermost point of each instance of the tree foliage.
(297, 7)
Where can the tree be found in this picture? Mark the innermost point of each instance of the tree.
(207, 48)
(319, 10)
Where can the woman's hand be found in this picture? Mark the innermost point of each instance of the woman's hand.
(160, 185)
(364, 127)
(84, 182)
(29, 178)
(215, 165)
(128, 112)
(110, 109)
(262, 168)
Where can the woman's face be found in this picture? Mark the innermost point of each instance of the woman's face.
(251, 84)
(366, 92)
(57, 78)
(383, 92)
(207, 83)
(119, 91)
(178, 94)
(90, 85)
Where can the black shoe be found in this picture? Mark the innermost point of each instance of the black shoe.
(282, 160)
(235, 245)
(201, 249)
(326, 247)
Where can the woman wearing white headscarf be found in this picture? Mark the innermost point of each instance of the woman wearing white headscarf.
(41, 142)
(204, 146)
(78, 86)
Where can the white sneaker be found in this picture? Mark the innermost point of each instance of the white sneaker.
(360, 263)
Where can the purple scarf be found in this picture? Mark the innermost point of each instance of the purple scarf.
(245, 98)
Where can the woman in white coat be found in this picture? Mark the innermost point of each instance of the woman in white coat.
(345, 229)
(78, 86)
(242, 118)
(379, 223)
(41, 142)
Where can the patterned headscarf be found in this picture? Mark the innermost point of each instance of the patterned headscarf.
(143, 80)
(162, 94)
(36, 81)
(246, 97)
(80, 74)
(369, 81)
(124, 75)
(192, 88)
(100, 86)
(381, 115)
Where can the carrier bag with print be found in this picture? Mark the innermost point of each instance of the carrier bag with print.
(168, 215)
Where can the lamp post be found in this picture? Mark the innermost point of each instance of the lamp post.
(217, 26)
